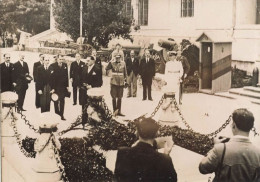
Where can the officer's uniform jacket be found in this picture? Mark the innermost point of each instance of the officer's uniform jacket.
(118, 73)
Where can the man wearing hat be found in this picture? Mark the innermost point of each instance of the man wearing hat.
(142, 162)
(36, 65)
(237, 159)
(20, 80)
(118, 81)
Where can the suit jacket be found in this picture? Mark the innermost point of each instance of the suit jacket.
(35, 70)
(19, 75)
(6, 77)
(147, 70)
(241, 161)
(143, 163)
(132, 66)
(76, 72)
(44, 77)
(93, 78)
(59, 79)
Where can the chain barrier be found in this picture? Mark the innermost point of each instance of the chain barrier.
(180, 114)
(157, 107)
(58, 160)
(77, 122)
(213, 134)
(26, 121)
(107, 110)
(17, 135)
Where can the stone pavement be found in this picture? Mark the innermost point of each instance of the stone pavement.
(205, 113)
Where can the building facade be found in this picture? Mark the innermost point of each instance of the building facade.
(239, 20)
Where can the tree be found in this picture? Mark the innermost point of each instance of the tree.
(102, 20)
(31, 16)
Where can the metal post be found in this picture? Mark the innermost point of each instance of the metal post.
(81, 8)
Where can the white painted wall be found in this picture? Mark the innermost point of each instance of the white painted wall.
(246, 12)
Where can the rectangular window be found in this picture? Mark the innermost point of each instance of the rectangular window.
(128, 9)
(143, 12)
(187, 8)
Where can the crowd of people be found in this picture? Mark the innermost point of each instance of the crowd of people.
(53, 79)
(235, 160)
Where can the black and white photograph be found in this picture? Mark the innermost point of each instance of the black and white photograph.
(130, 90)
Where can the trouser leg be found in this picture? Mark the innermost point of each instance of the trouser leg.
(62, 104)
(56, 107)
(21, 97)
(37, 97)
(114, 104)
(129, 82)
(144, 91)
(134, 83)
(75, 90)
(149, 91)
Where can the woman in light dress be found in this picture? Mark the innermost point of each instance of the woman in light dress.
(172, 77)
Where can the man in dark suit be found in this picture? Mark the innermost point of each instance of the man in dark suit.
(43, 85)
(91, 78)
(142, 162)
(147, 72)
(60, 84)
(132, 68)
(20, 81)
(35, 77)
(6, 74)
(75, 74)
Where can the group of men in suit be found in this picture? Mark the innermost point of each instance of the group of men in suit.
(49, 79)
(15, 77)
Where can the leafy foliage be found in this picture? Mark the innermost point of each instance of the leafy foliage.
(102, 20)
(31, 16)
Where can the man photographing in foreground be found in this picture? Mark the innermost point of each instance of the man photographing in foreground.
(237, 160)
(142, 162)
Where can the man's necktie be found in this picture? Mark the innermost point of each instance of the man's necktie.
(7, 65)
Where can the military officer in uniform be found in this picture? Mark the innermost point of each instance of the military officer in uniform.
(118, 81)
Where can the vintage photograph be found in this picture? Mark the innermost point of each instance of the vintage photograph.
(130, 90)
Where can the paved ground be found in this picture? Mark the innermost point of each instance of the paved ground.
(205, 113)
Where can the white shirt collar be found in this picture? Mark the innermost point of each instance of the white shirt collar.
(239, 136)
(90, 68)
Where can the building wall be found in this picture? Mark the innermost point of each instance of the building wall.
(246, 12)
(235, 16)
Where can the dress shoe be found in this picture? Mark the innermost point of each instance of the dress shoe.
(23, 109)
(128, 96)
(120, 114)
(74, 104)
(62, 118)
(150, 99)
(144, 99)
(134, 95)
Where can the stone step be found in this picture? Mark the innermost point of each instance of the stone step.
(253, 89)
(242, 92)
(237, 97)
